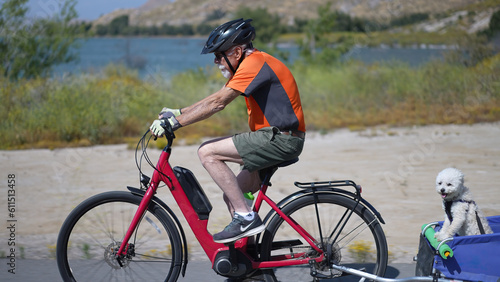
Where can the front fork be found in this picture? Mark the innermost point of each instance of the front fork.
(129, 253)
(143, 206)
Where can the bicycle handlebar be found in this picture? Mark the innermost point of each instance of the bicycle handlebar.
(144, 142)
(169, 132)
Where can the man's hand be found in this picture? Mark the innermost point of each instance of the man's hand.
(167, 112)
(157, 128)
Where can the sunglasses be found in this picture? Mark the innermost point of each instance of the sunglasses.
(220, 55)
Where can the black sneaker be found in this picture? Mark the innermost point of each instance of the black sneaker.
(240, 228)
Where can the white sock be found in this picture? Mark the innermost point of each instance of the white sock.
(246, 216)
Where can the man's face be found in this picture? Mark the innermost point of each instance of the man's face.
(233, 55)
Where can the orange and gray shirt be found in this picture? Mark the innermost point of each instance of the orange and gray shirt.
(270, 91)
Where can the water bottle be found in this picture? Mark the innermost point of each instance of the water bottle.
(249, 197)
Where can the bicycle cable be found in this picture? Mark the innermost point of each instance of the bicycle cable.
(144, 155)
(139, 163)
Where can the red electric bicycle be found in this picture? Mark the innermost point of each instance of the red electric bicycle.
(134, 236)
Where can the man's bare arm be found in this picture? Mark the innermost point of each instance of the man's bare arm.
(208, 106)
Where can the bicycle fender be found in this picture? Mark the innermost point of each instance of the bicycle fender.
(169, 211)
(309, 191)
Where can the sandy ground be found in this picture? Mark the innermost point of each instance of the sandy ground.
(396, 167)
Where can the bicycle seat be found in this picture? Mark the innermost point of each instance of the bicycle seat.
(287, 163)
(266, 173)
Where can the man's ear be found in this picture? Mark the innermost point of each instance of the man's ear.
(238, 52)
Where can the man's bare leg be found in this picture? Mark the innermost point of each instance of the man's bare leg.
(248, 182)
(213, 155)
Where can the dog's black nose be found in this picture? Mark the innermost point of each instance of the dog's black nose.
(442, 190)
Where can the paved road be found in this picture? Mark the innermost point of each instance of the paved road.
(46, 271)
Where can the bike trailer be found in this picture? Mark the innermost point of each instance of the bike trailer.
(471, 258)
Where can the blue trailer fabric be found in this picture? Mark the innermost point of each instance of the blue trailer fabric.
(476, 258)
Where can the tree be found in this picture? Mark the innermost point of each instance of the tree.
(31, 47)
(315, 32)
(118, 25)
(267, 25)
(472, 49)
(316, 47)
(494, 26)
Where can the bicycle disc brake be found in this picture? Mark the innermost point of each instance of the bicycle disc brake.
(118, 261)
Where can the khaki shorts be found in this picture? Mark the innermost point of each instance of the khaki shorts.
(266, 147)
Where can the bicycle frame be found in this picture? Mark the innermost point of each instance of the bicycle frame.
(164, 173)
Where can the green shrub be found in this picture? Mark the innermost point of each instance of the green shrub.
(115, 104)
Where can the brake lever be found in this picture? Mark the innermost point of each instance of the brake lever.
(168, 129)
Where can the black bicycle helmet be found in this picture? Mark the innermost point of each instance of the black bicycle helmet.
(236, 32)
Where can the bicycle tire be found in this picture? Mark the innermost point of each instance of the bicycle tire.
(93, 232)
(353, 248)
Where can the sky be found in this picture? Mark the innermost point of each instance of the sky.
(87, 9)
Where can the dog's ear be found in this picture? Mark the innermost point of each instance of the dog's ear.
(460, 176)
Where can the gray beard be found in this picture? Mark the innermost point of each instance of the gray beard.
(225, 72)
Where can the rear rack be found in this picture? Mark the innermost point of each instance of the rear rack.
(335, 186)
(329, 184)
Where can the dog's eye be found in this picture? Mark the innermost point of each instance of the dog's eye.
(448, 184)
(439, 183)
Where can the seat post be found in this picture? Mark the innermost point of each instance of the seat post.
(266, 181)
(266, 173)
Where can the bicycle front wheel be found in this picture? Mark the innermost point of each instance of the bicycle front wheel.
(351, 239)
(91, 236)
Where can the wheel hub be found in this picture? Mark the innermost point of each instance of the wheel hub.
(121, 261)
(323, 268)
(332, 256)
(335, 256)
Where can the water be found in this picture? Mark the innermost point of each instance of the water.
(412, 56)
(149, 55)
(168, 56)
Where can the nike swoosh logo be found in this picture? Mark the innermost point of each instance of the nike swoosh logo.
(243, 229)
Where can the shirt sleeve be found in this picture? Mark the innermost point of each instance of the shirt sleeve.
(244, 78)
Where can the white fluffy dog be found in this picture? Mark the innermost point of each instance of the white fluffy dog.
(462, 213)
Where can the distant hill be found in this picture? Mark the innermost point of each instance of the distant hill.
(193, 12)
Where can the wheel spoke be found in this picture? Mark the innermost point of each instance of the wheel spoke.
(355, 229)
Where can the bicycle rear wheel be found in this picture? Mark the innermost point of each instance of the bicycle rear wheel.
(361, 244)
(93, 232)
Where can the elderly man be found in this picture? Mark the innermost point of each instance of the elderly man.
(275, 119)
